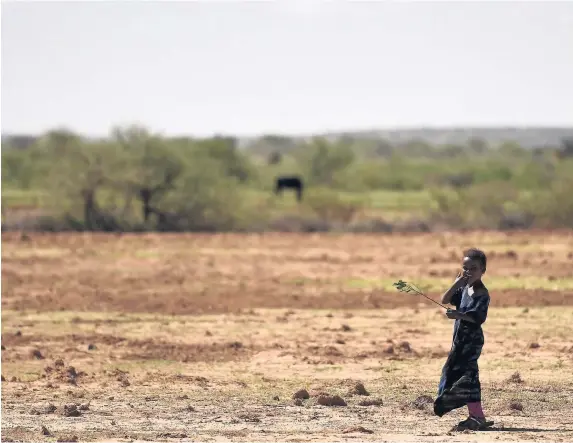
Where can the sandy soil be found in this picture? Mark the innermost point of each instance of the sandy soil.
(208, 338)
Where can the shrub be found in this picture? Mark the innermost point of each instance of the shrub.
(332, 206)
(553, 209)
(483, 205)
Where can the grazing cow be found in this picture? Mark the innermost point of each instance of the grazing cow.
(292, 182)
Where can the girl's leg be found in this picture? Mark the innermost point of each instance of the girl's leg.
(476, 410)
(474, 407)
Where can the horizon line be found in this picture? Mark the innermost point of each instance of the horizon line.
(393, 128)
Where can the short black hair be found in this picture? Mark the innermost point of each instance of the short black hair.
(477, 254)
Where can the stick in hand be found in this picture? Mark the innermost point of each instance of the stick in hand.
(405, 287)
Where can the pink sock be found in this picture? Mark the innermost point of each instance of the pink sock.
(475, 409)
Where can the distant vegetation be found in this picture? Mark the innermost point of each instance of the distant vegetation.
(135, 180)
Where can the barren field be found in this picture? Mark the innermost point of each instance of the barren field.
(208, 337)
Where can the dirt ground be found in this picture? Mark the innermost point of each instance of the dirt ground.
(209, 337)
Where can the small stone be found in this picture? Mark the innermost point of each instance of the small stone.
(357, 429)
(318, 392)
(389, 349)
(516, 405)
(405, 346)
(301, 394)
(334, 400)
(37, 354)
(371, 402)
(515, 378)
(359, 389)
(71, 410)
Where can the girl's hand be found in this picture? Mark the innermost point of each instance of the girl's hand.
(452, 314)
(456, 315)
(461, 279)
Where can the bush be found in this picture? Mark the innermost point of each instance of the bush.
(323, 160)
(484, 205)
(553, 209)
(204, 199)
(332, 206)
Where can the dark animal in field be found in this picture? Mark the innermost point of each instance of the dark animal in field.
(292, 182)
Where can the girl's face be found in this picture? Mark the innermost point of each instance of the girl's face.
(472, 270)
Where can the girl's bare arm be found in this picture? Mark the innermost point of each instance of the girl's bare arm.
(455, 315)
(458, 283)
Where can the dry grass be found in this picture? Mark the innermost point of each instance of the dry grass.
(227, 366)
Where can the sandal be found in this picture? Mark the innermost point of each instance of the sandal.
(473, 424)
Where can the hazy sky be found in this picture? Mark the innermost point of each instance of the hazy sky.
(289, 66)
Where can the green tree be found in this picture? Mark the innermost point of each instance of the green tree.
(205, 200)
(78, 174)
(477, 146)
(151, 166)
(224, 150)
(324, 160)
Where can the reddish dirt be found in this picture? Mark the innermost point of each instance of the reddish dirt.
(193, 274)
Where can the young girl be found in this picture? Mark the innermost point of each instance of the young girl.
(459, 383)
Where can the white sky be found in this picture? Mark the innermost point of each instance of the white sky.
(284, 67)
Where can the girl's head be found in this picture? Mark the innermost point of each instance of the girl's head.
(474, 264)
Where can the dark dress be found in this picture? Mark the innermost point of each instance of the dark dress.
(459, 384)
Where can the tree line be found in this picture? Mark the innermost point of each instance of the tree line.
(137, 180)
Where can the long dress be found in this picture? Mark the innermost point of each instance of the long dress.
(459, 383)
